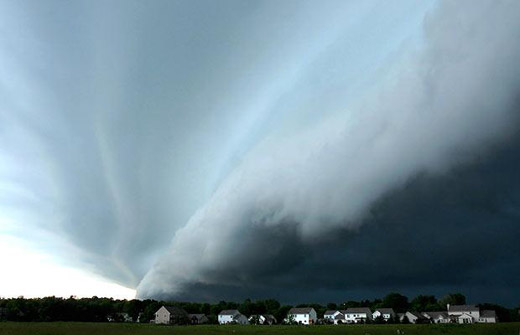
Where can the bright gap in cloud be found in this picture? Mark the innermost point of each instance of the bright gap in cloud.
(29, 273)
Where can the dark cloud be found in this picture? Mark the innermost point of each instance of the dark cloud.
(287, 149)
(438, 234)
(440, 108)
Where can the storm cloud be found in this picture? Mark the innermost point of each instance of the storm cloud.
(297, 150)
(442, 106)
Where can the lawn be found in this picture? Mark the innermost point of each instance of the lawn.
(78, 328)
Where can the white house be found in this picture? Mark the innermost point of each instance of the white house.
(385, 313)
(437, 317)
(458, 310)
(263, 319)
(487, 316)
(357, 314)
(465, 318)
(334, 316)
(170, 315)
(471, 314)
(304, 315)
(232, 316)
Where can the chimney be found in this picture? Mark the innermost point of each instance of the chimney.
(448, 307)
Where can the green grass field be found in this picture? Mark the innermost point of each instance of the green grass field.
(77, 328)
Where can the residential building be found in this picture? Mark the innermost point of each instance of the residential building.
(303, 315)
(385, 313)
(171, 315)
(487, 316)
(464, 313)
(357, 314)
(334, 316)
(470, 314)
(414, 317)
(198, 319)
(232, 316)
(437, 317)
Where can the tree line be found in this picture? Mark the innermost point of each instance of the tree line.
(101, 309)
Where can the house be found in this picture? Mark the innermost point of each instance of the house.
(437, 317)
(232, 316)
(334, 316)
(330, 314)
(385, 313)
(171, 315)
(464, 313)
(465, 318)
(487, 316)
(303, 315)
(414, 317)
(198, 319)
(458, 310)
(357, 314)
(264, 319)
(470, 314)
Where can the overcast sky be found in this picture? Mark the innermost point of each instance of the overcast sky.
(301, 150)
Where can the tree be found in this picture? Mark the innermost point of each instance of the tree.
(453, 299)
(281, 313)
(424, 303)
(332, 306)
(350, 304)
(396, 301)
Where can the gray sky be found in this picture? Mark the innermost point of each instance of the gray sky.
(167, 146)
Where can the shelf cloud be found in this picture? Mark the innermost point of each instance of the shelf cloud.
(441, 106)
(296, 149)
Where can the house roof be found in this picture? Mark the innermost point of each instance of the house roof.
(300, 310)
(488, 314)
(197, 316)
(386, 311)
(330, 312)
(417, 315)
(229, 312)
(463, 308)
(175, 310)
(358, 310)
(436, 315)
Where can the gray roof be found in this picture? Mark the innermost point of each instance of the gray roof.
(330, 312)
(229, 312)
(463, 308)
(436, 315)
(358, 310)
(300, 310)
(197, 316)
(175, 310)
(488, 314)
(416, 314)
